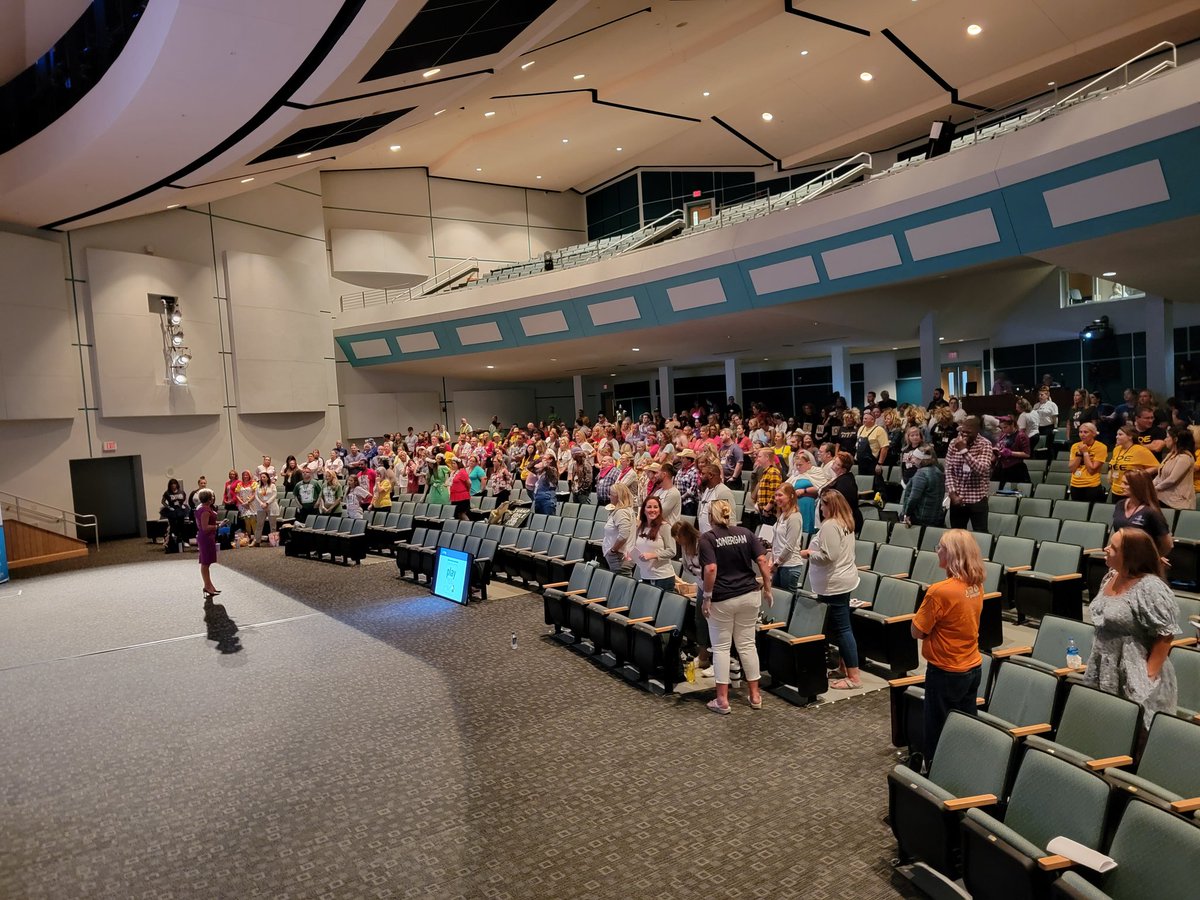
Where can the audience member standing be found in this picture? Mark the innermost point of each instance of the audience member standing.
(1139, 510)
(357, 497)
(306, 495)
(948, 624)
(460, 489)
(843, 483)
(787, 564)
(968, 470)
(1087, 457)
(712, 489)
(1011, 452)
(1175, 482)
(1128, 456)
(230, 498)
(266, 505)
(1046, 411)
(500, 482)
(728, 556)
(924, 495)
(833, 576)
(667, 494)
(439, 480)
(620, 530)
(545, 485)
(654, 548)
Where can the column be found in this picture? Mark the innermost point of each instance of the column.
(733, 381)
(840, 360)
(1160, 346)
(666, 391)
(653, 394)
(931, 357)
(577, 383)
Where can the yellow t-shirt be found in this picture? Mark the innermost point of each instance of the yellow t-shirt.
(1081, 477)
(1196, 473)
(949, 614)
(1124, 461)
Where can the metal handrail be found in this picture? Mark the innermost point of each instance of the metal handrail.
(642, 232)
(1123, 67)
(20, 509)
(380, 296)
(805, 192)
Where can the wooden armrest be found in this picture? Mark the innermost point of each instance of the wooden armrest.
(556, 584)
(614, 609)
(1026, 730)
(1094, 550)
(664, 628)
(907, 617)
(1053, 863)
(862, 604)
(1109, 762)
(594, 599)
(899, 575)
(980, 701)
(992, 596)
(1011, 651)
(771, 625)
(906, 681)
(1019, 568)
(1067, 670)
(571, 561)
(642, 619)
(1186, 806)
(958, 803)
(863, 568)
(573, 593)
(1196, 718)
(505, 546)
(1070, 577)
(1185, 642)
(820, 637)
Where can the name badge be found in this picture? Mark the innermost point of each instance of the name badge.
(966, 469)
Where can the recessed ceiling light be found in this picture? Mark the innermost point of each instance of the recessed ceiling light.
(247, 180)
(539, 178)
(566, 140)
(767, 117)
(765, 359)
(554, 359)
(579, 77)
(430, 73)
(866, 76)
(303, 155)
(973, 30)
(528, 64)
(705, 94)
(897, 348)
(394, 148)
(636, 349)
(619, 149)
(491, 367)
(804, 53)
(612, 374)
(173, 206)
(477, 169)
(489, 113)
(439, 112)
(1051, 83)
(941, 339)
(1107, 274)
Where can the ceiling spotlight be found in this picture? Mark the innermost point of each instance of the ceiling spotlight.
(866, 76)
(247, 180)
(612, 374)
(941, 339)
(579, 77)
(973, 30)
(179, 378)
(636, 349)
(1108, 274)
(1051, 83)
(430, 73)
(705, 94)
(395, 148)
(767, 117)
(303, 155)
(477, 169)
(177, 339)
(491, 367)
(173, 206)
(897, 348)
(183, 359)
(619, 149)
(539, 178)
(528, 64)
(439, 112)
(804, 53)
(566, 140)
(489, 113)
(176, 317)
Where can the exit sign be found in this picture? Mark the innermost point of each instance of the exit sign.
(952, 355)
(109, 447)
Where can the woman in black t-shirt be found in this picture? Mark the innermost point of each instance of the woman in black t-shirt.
(729, 555)
(1140, 510)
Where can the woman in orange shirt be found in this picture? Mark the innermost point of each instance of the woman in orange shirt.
(948, 623)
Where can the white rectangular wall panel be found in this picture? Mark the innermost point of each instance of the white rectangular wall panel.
(483, 333)
(131, 369)
(371, 349)
(610, 312)
(1112, 192)
(977, 229)
(700, 293)
(865, 256)
(278, 334)
(39, 367)
(419, 342)
(544, 323)
(792, 273)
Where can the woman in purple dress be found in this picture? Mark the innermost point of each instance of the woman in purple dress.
(206, 538)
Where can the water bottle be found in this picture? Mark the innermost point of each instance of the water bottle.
(514, 642)
(1074, 661)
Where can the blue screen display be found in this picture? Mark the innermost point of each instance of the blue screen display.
(452, 575)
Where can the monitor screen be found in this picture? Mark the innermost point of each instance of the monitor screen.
(452, 575)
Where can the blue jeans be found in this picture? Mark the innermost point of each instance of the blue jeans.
(839, 621)
(544, 503)
(788, 577)
(946, 691)
(667, 584)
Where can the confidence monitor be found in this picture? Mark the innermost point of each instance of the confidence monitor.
(452, 575)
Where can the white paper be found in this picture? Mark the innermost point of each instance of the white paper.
(1077, 852)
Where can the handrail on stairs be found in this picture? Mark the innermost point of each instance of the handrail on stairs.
(363, 299)
(22, 509)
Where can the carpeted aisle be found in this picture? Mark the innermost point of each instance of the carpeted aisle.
(372, 741)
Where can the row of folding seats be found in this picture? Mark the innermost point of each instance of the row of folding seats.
(633, 628)
(539, 557)
(1038, 787)
(418, 554)
(332, 536)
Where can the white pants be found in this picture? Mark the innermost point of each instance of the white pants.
(732, 621)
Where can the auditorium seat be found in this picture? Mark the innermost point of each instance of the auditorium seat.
(894, 561)
(875, 531)
(652, 658)
(620, 595)
(643, 606)
(1038, 529)
(1052, 584)
(1071, 510)
(554, 599)
(794, 656)
(1097, 730)
(1187, 673)
(1049, 650)
(1021, 700)
(883, 632)
(933, 536)
(906, 700)
(1160, 778)
(598, 591)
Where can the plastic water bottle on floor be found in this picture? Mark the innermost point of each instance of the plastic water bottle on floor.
(1074, 660)
(514, 641)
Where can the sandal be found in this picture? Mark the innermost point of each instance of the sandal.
(845, 684)
(756, 704)
(718, 708)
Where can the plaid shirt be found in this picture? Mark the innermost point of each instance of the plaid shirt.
(604, 485)
(688, 482)
(764, 495)
(968, 471)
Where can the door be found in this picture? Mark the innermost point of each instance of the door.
(697, 212)
(110, 488)
(962, 379)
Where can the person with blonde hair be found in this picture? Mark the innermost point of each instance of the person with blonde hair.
(833, 575)
(728, 555)
(620, 529)
(948, 625)
(786, 563)
(1087, 458)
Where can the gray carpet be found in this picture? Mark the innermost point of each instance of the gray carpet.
(371, 741)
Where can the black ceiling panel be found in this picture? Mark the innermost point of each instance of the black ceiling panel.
(450, 31)
(333, 134)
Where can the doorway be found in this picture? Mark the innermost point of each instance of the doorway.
(962, 379)
(698, 210)
(110, 488)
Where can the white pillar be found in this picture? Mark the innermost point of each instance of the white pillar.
(653, 394)
(733, 381)
(1160, 346)
(666, 391)
(931, 357)
(839, 359)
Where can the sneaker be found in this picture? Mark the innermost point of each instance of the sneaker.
(707, 673)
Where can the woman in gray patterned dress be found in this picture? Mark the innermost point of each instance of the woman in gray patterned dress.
(1135, 617)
